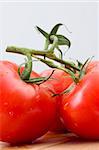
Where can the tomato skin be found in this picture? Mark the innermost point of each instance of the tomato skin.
(60, 81)
(80, 108)
(92, 66)
(26, 110)
(58, 77)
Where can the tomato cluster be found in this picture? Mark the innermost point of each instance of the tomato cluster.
(63, 99)
(27, 111)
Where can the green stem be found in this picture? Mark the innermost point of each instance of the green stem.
(66, 91)
(46, 44)
(52, 65)
(46, 54)
(61, 54)
(39, 80)
(25, 75)
(55, 42)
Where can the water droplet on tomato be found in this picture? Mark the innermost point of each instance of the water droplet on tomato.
(11, 113)
(67, 104)
(75, 124)
(5, 104)
(61, 119)
(31, 109)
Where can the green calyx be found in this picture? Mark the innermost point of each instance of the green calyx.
(25, 75)
(83, 67)
(53, 36)
(68, 90)
(39, 80)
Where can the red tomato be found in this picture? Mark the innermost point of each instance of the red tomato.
(59, 81)
(80, 107)
(26, 110)
(92, 65)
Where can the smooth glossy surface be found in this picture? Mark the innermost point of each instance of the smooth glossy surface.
(80, 108)
(59, 81)
(26, 110)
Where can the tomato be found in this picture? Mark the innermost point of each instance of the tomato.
(92, 65)
(80, 107)
(26, 110)
(59, 81)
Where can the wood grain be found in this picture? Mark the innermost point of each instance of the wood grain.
(56, 142)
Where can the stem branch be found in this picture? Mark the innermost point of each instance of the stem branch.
(47, 54)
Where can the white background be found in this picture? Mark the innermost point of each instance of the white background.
(18, 19)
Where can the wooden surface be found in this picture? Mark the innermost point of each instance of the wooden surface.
(56, 142)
